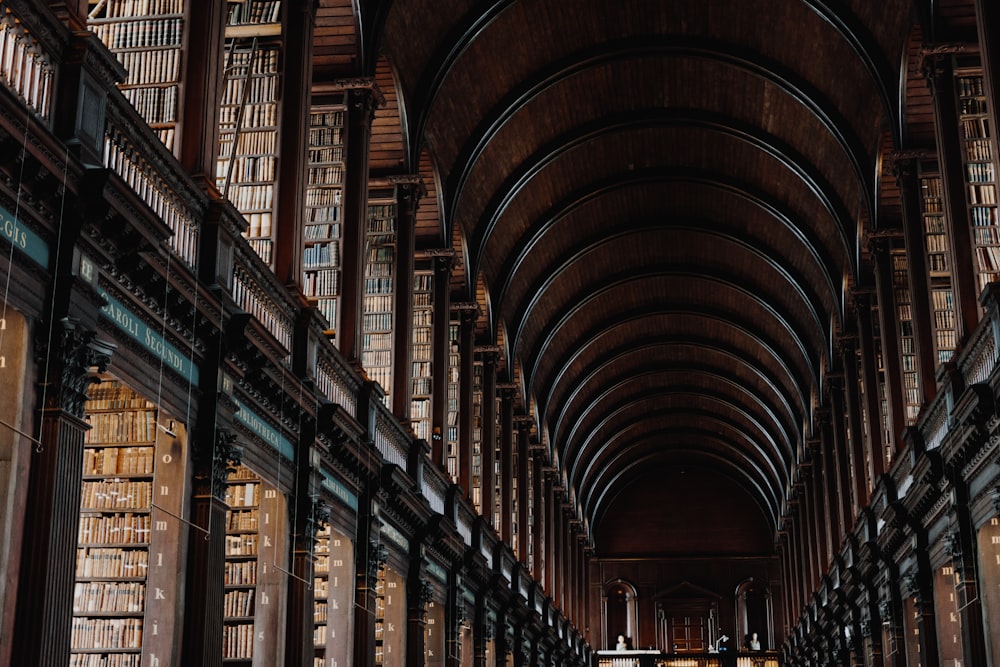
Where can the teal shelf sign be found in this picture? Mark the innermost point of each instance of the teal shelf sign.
(22, 238)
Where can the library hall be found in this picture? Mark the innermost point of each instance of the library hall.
(499, 333)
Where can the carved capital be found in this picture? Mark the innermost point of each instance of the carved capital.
(319, 515)
(226, 456)
(73, 353)
(425, 596)
(378, 556)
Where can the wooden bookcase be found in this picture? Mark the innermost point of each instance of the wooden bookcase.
(243, 496)
(322, 233)
(248, 117)
(131, 462)
(380, 592)
(938, 262)
(477, 437)
(321, 595)
(146, 37)
(379, 288)
(980, 173)
(423, 345)
(907, 343)
(454, 386)
(254, 581)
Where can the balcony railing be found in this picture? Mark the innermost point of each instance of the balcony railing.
(25, 63)
(660, 659)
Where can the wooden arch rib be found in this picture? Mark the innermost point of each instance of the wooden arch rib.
(472, 25)
(573, 418)
(581, 300)
(763, 141)
(605, 486)
(786, 80)
(765, 488)
(771, 434)
(710, 429)
(796, 285)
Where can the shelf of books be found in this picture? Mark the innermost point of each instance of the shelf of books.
(379, 287)
(423, 320)
(321, 594)
(146, 37)
(454, 361)
(907, 346)
(980, 173)
(477, 436)
(128, 452)
(253, 577)
(322, 230)
(248, 118)
(380, 584)
(938, 262)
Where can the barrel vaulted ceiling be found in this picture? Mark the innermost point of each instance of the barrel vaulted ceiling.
(665, 202)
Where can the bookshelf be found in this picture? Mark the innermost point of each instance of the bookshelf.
(254, 560)
(423, 320)
(907, 344)
(125, 580)
(938, 263)
(248, 118)
(980, 173)
(322, 229)
(321, 594)
(454, 361)
(498, 478)
(146, 37)
(380, 621)
(379, 286)
(243, 496)
(477, 436)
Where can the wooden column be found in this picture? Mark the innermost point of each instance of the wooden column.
(206, 563)
(507, 462)
(294, 139)
(543, 521)
(369, 557)
(418, 594)
(941, 77)
(906, 167)
(361, 98)
(830, 488)
(961, 545)
(538, 508)
(468, 313)
(443, 262)
(880, 249)
(854, 432)
(308, 515)
(838, 457)
(557, 537)
(197, 139)
(875, 446)
(487, 479)
(407, 197)
(44, 615)
(523, 425)
(822, 496)
(548, 533)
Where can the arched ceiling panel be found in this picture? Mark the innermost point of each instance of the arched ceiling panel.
(659, 203)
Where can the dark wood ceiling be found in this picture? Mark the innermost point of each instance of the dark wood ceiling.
(663, 204)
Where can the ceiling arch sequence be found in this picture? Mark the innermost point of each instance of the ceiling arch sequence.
(661, 206)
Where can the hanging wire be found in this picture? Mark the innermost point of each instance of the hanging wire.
(55, 274)
(10, 272)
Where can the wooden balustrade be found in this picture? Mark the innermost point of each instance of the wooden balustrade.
(133, 151)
